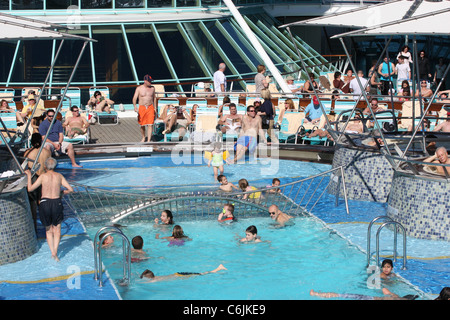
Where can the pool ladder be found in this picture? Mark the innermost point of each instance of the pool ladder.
(397, 226)
(110, 230)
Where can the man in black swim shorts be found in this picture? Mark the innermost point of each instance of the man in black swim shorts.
(50, 208)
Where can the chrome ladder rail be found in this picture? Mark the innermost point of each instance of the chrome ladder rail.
(98, 273)
(397, 226)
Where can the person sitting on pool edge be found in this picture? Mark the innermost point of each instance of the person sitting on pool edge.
(148, 274)
(278, 216)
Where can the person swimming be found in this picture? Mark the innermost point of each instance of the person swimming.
(177, 238)
(251, 235)
(227, 213)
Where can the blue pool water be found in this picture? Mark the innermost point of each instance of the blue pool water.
(298, 258)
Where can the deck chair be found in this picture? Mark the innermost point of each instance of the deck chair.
(281, 101)
(290, 126)
(83, 138)
(102, 116)
(233, 99)
(160, 91)
(407, 112)
(159, 125)
(199, 88)
(205, 124)
(73, 98)
(8, 118)
(250, 87)
(316, 140)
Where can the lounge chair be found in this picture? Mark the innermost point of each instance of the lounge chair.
(80, 138)
(205, 124)
(73, 98)
(159, 125)
(101, 115)
(407, 113)
(290, 126)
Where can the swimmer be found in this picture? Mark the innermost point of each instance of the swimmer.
(387, 295)
(227, 213)
(278, 216)
(177, 234)
(244, 186)
(107, 242)
(166, 218)
(137, 252)
(147, 274)
(251, 235)
(275, 183)
(386, 269)
(225, 185)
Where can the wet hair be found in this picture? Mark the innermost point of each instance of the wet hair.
(36, 140)
(147, 273)
(252, 230)
(169, 215)
(220, 177)
(276, 180)
(444, 294)
(51, 163)
(243, 184)
(230, 207)
(178, 233)
(137, 242)
(387, 261)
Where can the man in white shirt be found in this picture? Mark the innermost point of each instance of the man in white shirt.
(354, 85)
(220, 81)
(402, 69)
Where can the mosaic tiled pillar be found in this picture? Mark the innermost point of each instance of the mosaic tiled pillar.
(421, 206)
(368, 175)
(17, 236)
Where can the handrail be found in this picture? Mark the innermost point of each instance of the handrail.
(98, 274)
(369, 233)
(396, 224)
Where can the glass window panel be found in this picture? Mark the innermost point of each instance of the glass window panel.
(186, 3)
(147, 57)
(159, 3)
(129, 3)
(34, 59)
(180, 55)
(96, 4)
(61, 4)
(4, 4)
(27, 4)
(7, 50)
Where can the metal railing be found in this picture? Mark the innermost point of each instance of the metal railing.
(98, 274)
(98, 205)
(397, 226)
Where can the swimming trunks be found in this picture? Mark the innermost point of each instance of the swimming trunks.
(247, 141)
(51, 212)
(146, 115)
(184, 274)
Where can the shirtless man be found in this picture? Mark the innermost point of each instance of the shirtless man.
(251, 128)
(76, 124)
(50, 207)
(426, 92)
(232, 122)
(375, 108)
(444, 126)
(355, 126)
(278, 216)
(440, 156)
(145, 93)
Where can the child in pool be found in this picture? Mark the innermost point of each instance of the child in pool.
(137, 252)
(275, 183)
(225, 185)
(152, 278)
(166, 218)
(106, 241)
(251, 235)
(216, 159)
(227, 213)
(386, 269)
(243, 185)
(177, 238)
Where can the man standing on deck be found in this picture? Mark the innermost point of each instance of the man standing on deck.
(145, 93)
(50, 207)
(220, 80)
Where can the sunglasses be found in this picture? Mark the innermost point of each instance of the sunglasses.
(251, 110)
(51, 116)
(272, 213)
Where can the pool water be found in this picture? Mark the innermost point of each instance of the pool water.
(294, 260)
(286, 265)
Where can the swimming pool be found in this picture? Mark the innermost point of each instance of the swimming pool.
(307, 255)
